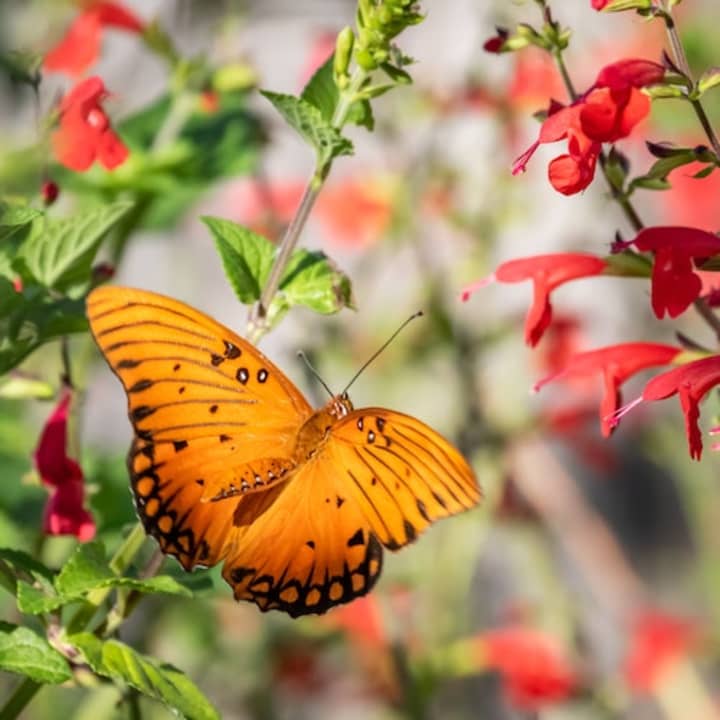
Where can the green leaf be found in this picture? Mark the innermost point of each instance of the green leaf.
(312, 126)
(24, 563)
(15, 226)
(24, 652)
(59, 256)
(32, 600)
(22, 67)
(396, 74)
(160, 681)
(648, 183)
(322, 92)
(311, 280)
(246, 257)
(708, 80)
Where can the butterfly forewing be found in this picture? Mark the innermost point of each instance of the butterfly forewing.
(204, 405)
(402, 473)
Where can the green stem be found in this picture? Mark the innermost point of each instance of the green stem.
(23, 694)
(681, 61)
(257, 322)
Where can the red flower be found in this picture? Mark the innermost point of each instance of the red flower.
(547, 272)
(535, 670)
(85, 133)
(675, 285)
(64, 512)
(496, 43)
(606, 112)
(80, 46)
(657, 641)
(600, 4)
(361, 620)
(617, 363)
(49, 191)
(691, 382)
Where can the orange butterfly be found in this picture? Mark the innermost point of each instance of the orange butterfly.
(229, 461)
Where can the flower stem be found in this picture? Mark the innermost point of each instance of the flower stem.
(257, 322)
(16, 703)
(681, 61)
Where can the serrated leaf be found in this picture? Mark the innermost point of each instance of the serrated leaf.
(322, 92)
(24, 652)
(309, 122)
(24, 563)
(311, 280)
(34, 601)
(119, 662)
(61, 254)
(246, 257)
(86, 568)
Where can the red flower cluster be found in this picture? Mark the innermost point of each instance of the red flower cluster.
(535, 670)
(675, 285)
(606, 112)
(64, 512)
(547, 272)
(80, 46)
(85, 133)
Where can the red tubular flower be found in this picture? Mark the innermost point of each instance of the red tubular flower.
(85, 133)
(658, 641)
(80, 46)
(547, 272)
(535, 670)
(675, 285)
(617, 363)
(606, 112)
(64, 512)
(599, 4)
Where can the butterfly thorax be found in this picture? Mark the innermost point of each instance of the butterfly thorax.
(317, 427)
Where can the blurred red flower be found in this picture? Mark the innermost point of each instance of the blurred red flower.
(606, 112)
(547, 273)
(85, 133)
(535, 669)
(64, 512)
(80, 46)
(657, 641)
(361, 620)
(691, 200)
(616, 363)
(49, 192)
(599, 4)
(675, 285)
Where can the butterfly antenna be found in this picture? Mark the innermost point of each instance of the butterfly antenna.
(314, 372)
(418, 314)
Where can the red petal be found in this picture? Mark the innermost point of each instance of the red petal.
(674, 284)
(569, 175)
(116, 15)
(65, 514)
(78, 49)
(110, 150)
(50, 454)
(632, 72)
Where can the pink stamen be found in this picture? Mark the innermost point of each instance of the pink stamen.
(468, 290)
(614, 418)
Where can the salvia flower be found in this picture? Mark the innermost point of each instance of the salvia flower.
(536, 671)
(80, 46)
(65, 513)
(690, 382)
(658, 641)
(84, 134)
(547, 273)
(615, 363)
(606, 112)
(675, 283)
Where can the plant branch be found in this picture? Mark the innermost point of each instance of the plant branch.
(680, 59)
(257, 322)
(16, 703)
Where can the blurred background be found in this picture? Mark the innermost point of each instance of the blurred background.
(606, 548)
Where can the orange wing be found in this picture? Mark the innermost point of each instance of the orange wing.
(210, 413)
(306, 547)
(402, 474)
(315, 542)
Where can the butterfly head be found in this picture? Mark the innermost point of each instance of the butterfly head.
(339, 406)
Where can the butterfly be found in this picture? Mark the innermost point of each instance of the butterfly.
(229, 461)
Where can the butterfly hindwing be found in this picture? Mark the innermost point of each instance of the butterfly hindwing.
(403, 474)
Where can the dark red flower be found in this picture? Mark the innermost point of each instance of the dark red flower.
(606, 112)
(85, 133)
(675, 284)
(495, 44)
(64, 512)
(616, 363)
(547, 272)
(49, 192)
(80, 46)
(535, 670)
(658, 641)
